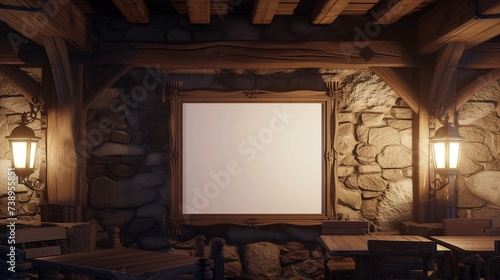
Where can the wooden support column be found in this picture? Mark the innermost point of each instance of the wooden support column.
(421, 188)
(62, 90)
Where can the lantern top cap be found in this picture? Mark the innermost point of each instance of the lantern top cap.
(22, 132)
(446, 132)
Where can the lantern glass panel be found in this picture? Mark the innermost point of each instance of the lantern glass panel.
(440, 155)
(454, 152)
(19, 150)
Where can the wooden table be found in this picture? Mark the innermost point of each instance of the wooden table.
(357, 246)
(463, 246)
(118, 263)
(481, 245)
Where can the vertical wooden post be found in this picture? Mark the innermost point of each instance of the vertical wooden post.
(65, 164)
(421, 203)
(217, 254)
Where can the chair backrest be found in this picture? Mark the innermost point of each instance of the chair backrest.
(497, 247)
(467, 226)
(345, 227)
(47, 240)
(392, 257)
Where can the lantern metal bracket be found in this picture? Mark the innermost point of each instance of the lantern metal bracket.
(439, 183)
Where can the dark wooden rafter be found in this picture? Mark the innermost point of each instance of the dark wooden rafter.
(484, 56)
(326, 11)
(199, 11)
(104, 82)
(444, 71)
(452, 21)
(399, 85)
(256, 55)
(134, 11)
(390, 11)
(28, 87)
(468, 90)
(55, 19)
(264, 11)
(61, 69)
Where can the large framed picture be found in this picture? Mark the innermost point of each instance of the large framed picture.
(248, 160)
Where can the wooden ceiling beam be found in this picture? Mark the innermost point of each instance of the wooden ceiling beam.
(399, 84)
(28, 87)
(61, 68)
(326, 11)
(257, 55)
(198, 11)
(134, 11)
(484, 56)
(104, 82)
(54, 19)
(390, 11)
(264, 11)
(444, 71)
(452, 21)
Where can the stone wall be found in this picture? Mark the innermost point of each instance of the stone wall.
(12, 105)
(478, 181)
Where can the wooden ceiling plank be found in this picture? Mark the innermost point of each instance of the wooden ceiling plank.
(399, 85)
(199, 11)
(326, 11)
(452, 21)
(104, 82)
(28, 87)
(134, 11)
(468, 90)
(444, 70)
(391, 11)
(256, 55)
(61, 69)
(264, 11)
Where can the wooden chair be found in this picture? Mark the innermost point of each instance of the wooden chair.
(467, 226)
(34, 242)
(402, 259)
(341, 270)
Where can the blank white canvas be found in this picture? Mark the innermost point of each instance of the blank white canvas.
(249, 158)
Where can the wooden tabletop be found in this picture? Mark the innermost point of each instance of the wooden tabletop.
(357, 245)
(111, 263)
(482, 245)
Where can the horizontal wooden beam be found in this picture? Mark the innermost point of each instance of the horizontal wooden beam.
(452, 21)
(257, 55)
(484, 56)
